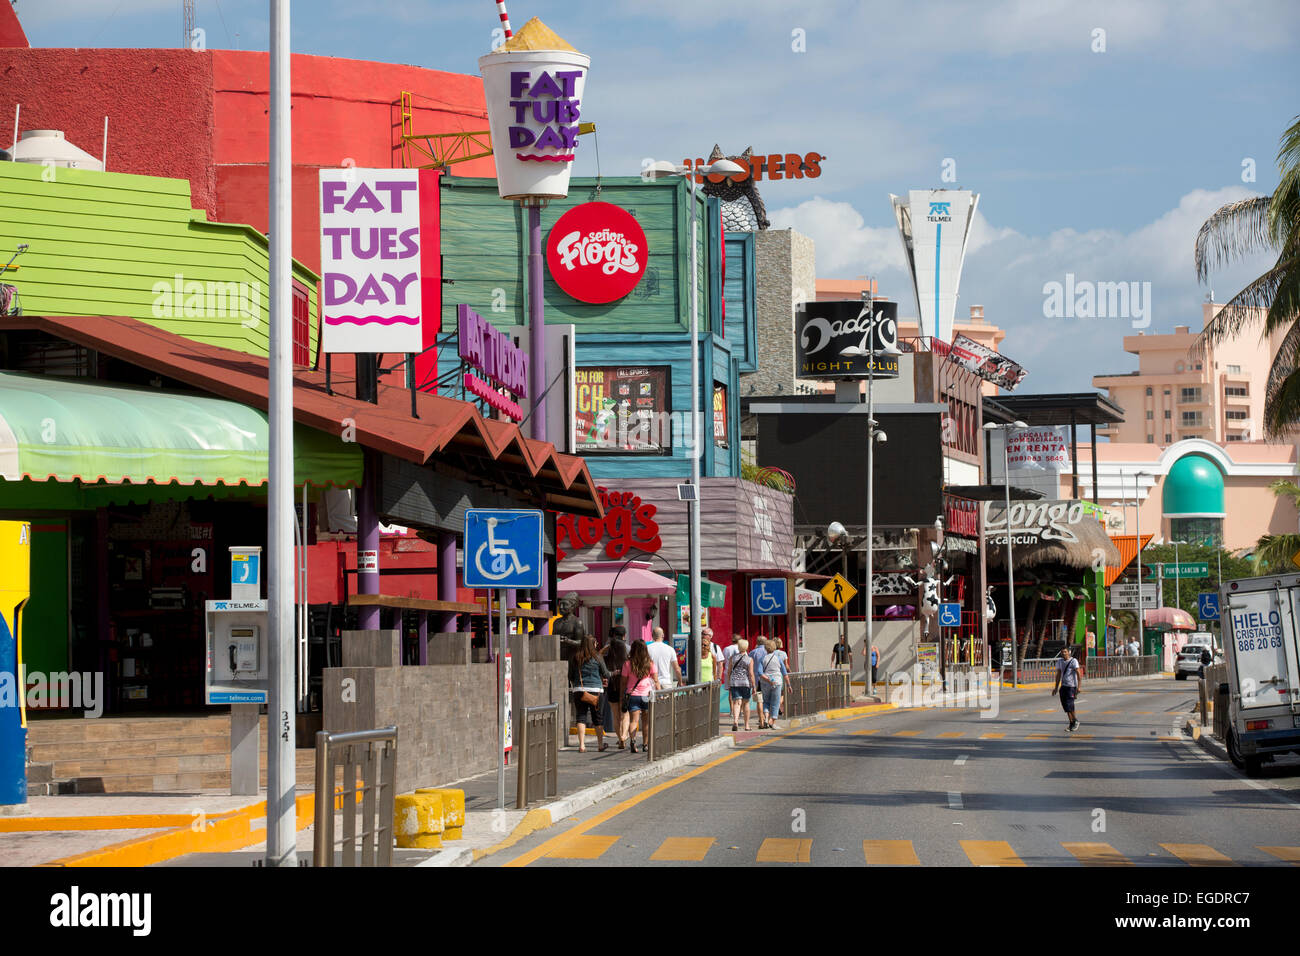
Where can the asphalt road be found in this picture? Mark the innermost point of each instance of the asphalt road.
(946, 786)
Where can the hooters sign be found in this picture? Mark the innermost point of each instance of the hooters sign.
(597, 252)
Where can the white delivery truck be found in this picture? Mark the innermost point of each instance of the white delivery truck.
(1260, 618)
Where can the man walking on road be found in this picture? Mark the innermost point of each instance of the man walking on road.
(665, 661)
(841, 655)
(1067, 682)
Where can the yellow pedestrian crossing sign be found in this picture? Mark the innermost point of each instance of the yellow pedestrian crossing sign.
(838, 591)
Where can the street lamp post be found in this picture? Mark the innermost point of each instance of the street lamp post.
(1011, 580)
(874, 434)
(658, 171)
(1137, 528)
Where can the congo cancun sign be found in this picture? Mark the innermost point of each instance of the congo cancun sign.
(1033, 522)
(490, 350)
(833, 340)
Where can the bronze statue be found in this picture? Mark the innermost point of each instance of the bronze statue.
(568, 627)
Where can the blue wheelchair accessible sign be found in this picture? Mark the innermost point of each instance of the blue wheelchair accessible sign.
(1208, 604)
(503, 548)
(767, 596)
(950, 615)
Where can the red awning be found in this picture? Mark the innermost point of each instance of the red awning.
(446, 427)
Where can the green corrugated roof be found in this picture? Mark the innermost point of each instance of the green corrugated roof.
(73, 429)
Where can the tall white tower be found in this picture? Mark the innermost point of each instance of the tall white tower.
(934, 225)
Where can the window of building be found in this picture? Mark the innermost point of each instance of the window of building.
(1179, 367)
(301, 325)
(1191, 419)
(1148, 391)
(1234, 369)
(1190, 395)
(1166, 391)
(1237, 416)
(1151, 440)
(1236, 391)
(1235, 437)
(1168, 414)
(1168, 437)
(1150, 414)
(1197, 366)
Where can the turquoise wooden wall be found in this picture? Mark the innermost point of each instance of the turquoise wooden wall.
(483, 241)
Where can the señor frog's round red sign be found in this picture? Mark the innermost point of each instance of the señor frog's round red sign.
(597, 252)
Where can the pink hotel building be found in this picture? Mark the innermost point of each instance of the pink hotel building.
(1191, 441)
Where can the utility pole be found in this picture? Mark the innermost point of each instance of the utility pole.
(189, 24)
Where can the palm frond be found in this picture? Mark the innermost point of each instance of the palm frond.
(1243, 310)
(1273, 553)
(1286, 489)
(1282, 404)
(1233, 231)
(1284, 211)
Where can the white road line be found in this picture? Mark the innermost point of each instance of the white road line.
(1234, 773)
(954, 800)
(960, 761)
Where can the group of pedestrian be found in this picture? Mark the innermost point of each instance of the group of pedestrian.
(842, 656)
(759, 674)
(622, 675)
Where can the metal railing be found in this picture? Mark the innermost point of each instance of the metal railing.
(538, 754)
(1216, 676)
(1039, 669)
(808, 692)
(1101, 667)
(680, 718)
(372, 756)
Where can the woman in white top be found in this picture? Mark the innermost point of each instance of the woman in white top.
(772, 679)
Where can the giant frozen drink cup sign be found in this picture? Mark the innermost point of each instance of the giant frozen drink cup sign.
(533, 85)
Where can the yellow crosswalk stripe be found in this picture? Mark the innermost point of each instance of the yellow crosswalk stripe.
(906, 733)
(682, 849)
(1078, 736)
(784, 850)
(820, 730)
(1289, 853)
(1049, 710)
(1197, 854)
(582, 847)
(991, 736)
(1098, 854)
(991, 853)
(889, 853)
(1123, 738)
(1143, 713)
(1039, 736)
(1110, 713)
(953, 733)
(863, 733)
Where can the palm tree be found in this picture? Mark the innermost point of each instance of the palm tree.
(1252, 225)
(1273, 552)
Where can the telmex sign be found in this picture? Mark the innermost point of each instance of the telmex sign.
(776, 165)
(831, 340)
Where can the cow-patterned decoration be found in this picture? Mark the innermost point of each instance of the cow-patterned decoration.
(742, 206)
(989, 604)
(895, 582)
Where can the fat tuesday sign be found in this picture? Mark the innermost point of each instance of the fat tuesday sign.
(374, 260)
(833, 340)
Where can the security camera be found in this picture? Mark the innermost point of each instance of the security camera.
(882, 437)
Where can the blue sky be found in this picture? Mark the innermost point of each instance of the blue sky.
(1102, 164)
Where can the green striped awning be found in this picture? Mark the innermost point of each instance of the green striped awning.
(63, 429)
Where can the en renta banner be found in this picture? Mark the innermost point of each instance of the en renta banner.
(596, 252)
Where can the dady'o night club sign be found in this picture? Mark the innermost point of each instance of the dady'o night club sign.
(378, 276)
(832, 340)
(533, 85)
(596, 252)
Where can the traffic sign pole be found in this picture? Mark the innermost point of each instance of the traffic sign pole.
(501, 694)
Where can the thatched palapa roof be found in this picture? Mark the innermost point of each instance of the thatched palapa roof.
(1090, 538)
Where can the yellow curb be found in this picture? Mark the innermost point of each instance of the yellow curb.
(857, 711)
(230, 831)
(533, 821)
(132, 821)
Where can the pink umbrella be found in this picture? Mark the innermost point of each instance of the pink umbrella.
(1169, 619)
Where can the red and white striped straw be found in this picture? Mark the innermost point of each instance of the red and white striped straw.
(505, 17)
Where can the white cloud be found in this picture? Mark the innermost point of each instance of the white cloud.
(1006, 270)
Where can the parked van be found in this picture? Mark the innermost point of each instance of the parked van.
(1260, 631)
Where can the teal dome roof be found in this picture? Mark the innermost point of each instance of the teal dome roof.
(1194, 486)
